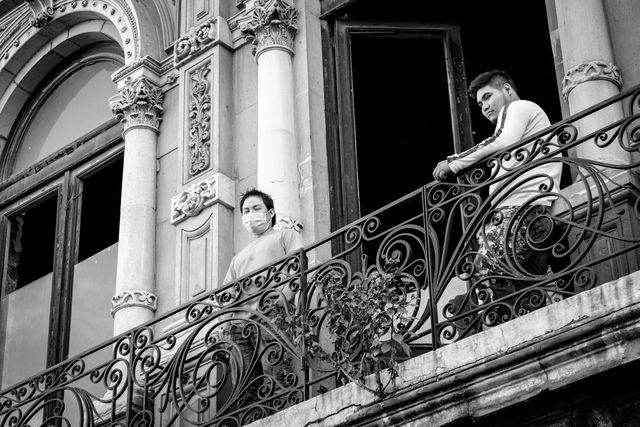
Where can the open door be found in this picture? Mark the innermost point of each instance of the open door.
(402, 107)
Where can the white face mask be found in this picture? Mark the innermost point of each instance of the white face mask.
(256, 222)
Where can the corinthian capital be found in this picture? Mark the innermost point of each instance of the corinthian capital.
(272, 25)
(139, 103)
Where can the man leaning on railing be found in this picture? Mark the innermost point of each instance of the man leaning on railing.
(506, 233)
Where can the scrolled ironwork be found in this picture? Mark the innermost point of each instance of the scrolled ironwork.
(451, 262)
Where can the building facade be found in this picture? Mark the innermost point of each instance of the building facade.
(129, 129)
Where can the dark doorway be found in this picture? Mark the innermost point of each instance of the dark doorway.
(386, 139)
(402, 114)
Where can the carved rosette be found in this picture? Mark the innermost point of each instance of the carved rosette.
(134, 298)
(272, 24)
(197, 40)
(200, 121)
(590, 70)
(138, 104)
(190, 202)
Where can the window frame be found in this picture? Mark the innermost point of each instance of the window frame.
(63, 176)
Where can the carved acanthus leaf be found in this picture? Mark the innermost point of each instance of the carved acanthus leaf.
(200, 121)
(139, 103)
(192, 201)
(272, 23)
(196, 41)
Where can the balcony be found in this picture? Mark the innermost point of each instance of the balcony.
(389, 316)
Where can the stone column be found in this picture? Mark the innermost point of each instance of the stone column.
(139, 107)
(271, 30)
(590, 74)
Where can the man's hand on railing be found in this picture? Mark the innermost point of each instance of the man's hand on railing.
(442, 170)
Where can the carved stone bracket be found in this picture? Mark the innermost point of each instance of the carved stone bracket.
(590, 70)
(272, 24)
(196, 41)
(200, 121)
(42, 12)
(139, 103)
(216, 189)
(134, 298)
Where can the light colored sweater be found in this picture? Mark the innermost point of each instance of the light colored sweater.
(516, 122)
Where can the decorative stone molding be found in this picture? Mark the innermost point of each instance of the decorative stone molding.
(216, 189)
(272, 24)
(590, 70)
(149, 63)
(200, 121)
(134, 298)
(38, 13)
(196, 41)
(139, 103)
(42, 12)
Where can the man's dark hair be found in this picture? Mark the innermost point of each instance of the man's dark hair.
(493, 78)
(266, 199)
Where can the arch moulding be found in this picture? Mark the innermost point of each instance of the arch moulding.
(39, 21)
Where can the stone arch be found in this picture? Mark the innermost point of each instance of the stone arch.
(26, 71)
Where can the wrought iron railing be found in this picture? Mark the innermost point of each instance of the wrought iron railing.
(255, 346)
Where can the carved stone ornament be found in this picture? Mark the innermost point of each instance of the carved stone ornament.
(192, 201)
(200, 121)
(215, 189)
(139, 103)
(42, 12)
(590, 70)
(20, 21)
(134, 298)
(272, 24)
(196, 41)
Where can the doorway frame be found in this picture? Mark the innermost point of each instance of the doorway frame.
(339, 101)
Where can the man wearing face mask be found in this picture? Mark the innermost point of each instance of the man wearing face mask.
(268, 245)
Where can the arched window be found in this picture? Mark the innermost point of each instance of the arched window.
(68, 108)
(59, 217)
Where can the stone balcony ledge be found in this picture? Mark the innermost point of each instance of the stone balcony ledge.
(552, 347)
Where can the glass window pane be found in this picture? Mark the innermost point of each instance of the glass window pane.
(32, 243)
(26, 320)
(77, 106)
(94, 285)
(94, 279)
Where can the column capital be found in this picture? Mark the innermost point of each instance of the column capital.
(138, 104)
(590, 70)
(134, 298)
(272, 24)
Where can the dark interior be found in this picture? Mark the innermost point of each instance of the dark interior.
(100, 216)
(401, 104)
(32, 243)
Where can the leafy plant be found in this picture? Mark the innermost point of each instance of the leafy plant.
(366, 316)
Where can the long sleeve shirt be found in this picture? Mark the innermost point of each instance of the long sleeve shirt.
(516, 122)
